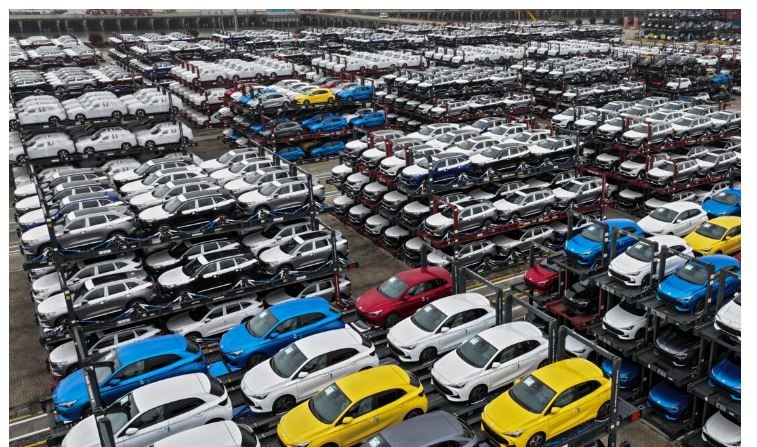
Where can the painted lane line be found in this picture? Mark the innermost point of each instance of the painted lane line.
(26, 419)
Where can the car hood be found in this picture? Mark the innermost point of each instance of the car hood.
(160, 259)
(675, 342)
(238, 338)
(396, 231)
(72, 387)
(180, 323)
(607, 157)
(517, 416)
(660, 173)
(153, 213)
(619, 318)
(374, 153)
(39, 234)
(135, 186)
(438, 220)
(212, 165)
(372, 300)
(451, 369)
(174, 277)
(273, 254)
(393, 162)
(25, 190)
(46, 282)
(407, 333)
(627, 265)
(722, 430)
(414, 171)
(261, 379)
(675, 287)
(710, 206)
(416, 208)
(582, 246)
(563, 194)
(144, 198)
(299, 425)
(237, 185)
(652, 226)
(222, 173)
(65, 353)
(503, 204)
(343, 201)
(28, 203)
(478, 159)
(628, 164)
(126, 176)
(253, 197)
(32, 217)
(83, 434)
(727, 373)
(730, 314)
(341, 169)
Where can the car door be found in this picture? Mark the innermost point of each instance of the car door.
(308, 324)
(93, 303)
(151, 426)
(213, 322)
(116, 298)
(283, 334)
(503, 368)
(227, 273)
(127, 378)
(184, 414)
(314, 375)
(579, 406)
(452, 332)
(732, 240)
(74, 234)
(321, 251)
(363, 422)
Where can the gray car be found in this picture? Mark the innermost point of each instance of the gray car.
(434, 429)
(167, 191)
(98, 298)
(80, 228)
(280, 194)
(48, 285)
(471, 215)
(270, 101)
(302, 251)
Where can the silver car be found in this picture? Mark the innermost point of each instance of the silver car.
(97, 299)
(280, 195)
(49, 284)
(301, 251)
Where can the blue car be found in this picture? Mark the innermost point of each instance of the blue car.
(630, 372)
(445, 167)
(317, 118)
(327, 149)
(255, 93)
(355, 93)
(586, 247)
(673, 403)
(370, 119)
(260, 127)
(292, 153)
(725, 203)
(726, 375)
(276, 327)
(126, 368)
(330, 124)
(721, 79)
(685, 290)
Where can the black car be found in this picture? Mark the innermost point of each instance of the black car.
(680, 347)
(189, 210)
(214, 272)
(582, 297)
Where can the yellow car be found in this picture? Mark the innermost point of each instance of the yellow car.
(315, 96)
(721, 235)
(353, 408)
(546, 403)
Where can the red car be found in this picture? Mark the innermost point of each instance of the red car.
(541, 277)
(401, 295)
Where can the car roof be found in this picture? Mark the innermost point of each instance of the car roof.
(566, 373)
(621, 223)
(219, 433)
(203, 193)
(423, 274)
(373, 380)
(681, 206)
(328, 341)
(301, 306)
(425, 429)
(510, 333)
(151, 347)
(667, 240)
(170, 390)
(455, 303)
(726, 221)
(720, 261)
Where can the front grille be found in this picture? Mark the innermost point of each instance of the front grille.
(668, 299)
(624, 201)
(709, 440)
(491, 434)
(443, 389)
(619, 276)
(613, 330)
(657, 180)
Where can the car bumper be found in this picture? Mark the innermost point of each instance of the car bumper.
(451, 394)
(620, 333)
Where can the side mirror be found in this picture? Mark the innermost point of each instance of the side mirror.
(496, 365)
(273, 335)
(131, 431)
(346, 420)
(555, 410)
(83, 301)
(517, 381)
(114, 382)
(303, 374)
(444, 329)
(207, 320)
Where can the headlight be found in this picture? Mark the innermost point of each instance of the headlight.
(457, 385)
(685, 298)
(236, 353)
(259, 396)
(627, 328)
(513, 434)
(409, 346)
(375, 313)
(302, 444)
(68, 404)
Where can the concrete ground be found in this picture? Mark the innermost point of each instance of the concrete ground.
(29, 377)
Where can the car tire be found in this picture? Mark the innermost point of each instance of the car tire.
(285, 268)
(61, 321)
(213, 421)
(255, 359)
(21, 158)
(53, 120)
(283, 404)
(413, 413)
(604, 411)
(80, 118)
(63, 153)
(194, 336)
(263, 209)
(117, 235)
(89, 150)
(536, 440)
(306, 103)
(427, 355)
(125, 146)
(219, 79)
(134, 304)
(117, 115)
(515, 216)
(543, 363)
(140, 113)
(477, 394)
(150, 144)
(391, 320)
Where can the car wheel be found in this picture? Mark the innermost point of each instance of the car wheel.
(477, 394)
(140, 113)
(63, 153)
(86, 412)
(117, 235)
(413, 413)
(194, 336)
(537, 440)
(117, 115)
(255, 359)
(306, 103)
(80, 118)
(61, 321)
(135, 304)
(283, 404)
(515, 216)
(263, 209)
(547, 209)
(604, 412)
(219, 78)
(21, 158)
(699, 306)
(428, 355)
(543, 363)
(125, 146)
(150, 144)
(285, 268)
(54, 120)
(89, 150)
(645, 282)
(391, 320)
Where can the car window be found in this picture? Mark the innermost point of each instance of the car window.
(129, 371)
(566, 398)
(182, 406)
(386, 397)
(286, 326)
(735, 231)
(360, 408)
(160, 361)
(126, 336)
(116, 288)
(340, 355)
(308, 319)
(215, 313)
(584, 389)
(316, 363)
(106, 342)
(149, 418)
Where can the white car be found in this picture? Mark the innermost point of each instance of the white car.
(151, 412)
(728, 318)
(227, 159)
(49, 284)
(169, 190)
(63, 359)
(304, 367)
(101, 107)
(55, 144)
(164, 133)
(440, 327)
(676, 218)
(433, 131)
(152, 104)
(241, 169)
(633, 267)
(106, 139)
(213, 320)
(490, 360)
(625, 321)
(216, 434)
(722, 430)
(42, 112)
(270, 236)
(160, 177)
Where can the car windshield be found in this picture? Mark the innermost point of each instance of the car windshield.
(641, 251)
(161, 191)
(261, 323)
(392, 288)
(287, 361)
(105, 364)
(150, 179)
(710, 158)
(226, 157)
(466, 145)
(684, 122)
(480, 124)
(568, 112)
(532, 394)
(726, 198)
(476, 352)
(422, 162)
(522, 137)
(615, 122)
(237, 167)
(253, 178)
(720, 116)
(664, 214)
(594, 233)
(632, 309)
(271, 231)
(289, 246)
(426, 131)
(641, 128)
(490, 152)
(693, 273)
(446, 138)
(428, 318)
(572, 186)
(711, 231)
(172, 205)
(192, 267)
(667, 166)
(658, 116)
(121, 412)
(517, 198)
(328, 404)
(268, 189)
(178, 249)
